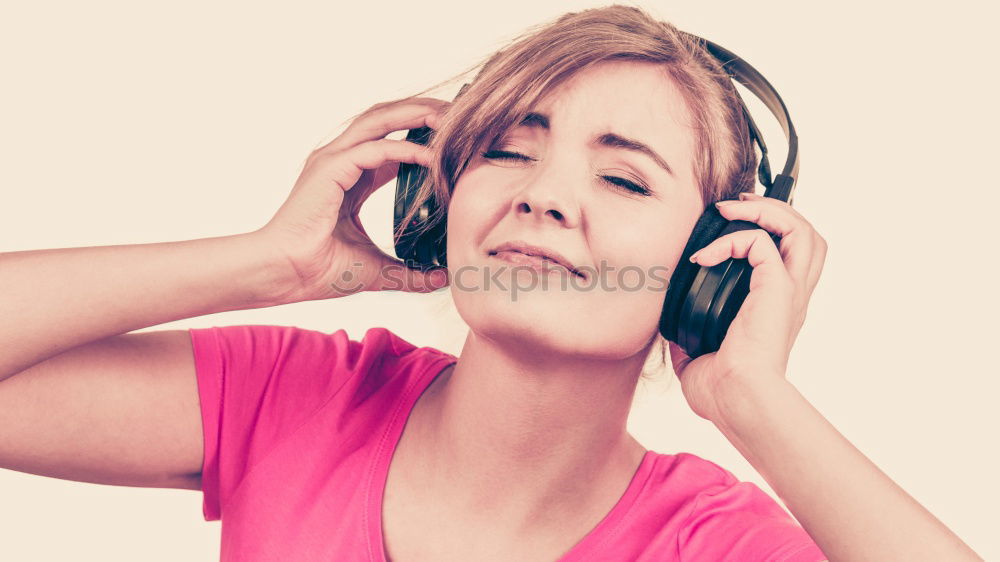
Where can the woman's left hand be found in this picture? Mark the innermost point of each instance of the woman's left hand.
(759, 340)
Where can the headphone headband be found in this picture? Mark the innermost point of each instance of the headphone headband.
(783, 185)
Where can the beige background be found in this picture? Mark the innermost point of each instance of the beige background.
(127, 123)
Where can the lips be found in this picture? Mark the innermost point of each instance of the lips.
(548, 254)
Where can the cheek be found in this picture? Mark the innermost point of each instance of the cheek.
(640, 257)
(467, 216)
(477, 203)
(654, 241)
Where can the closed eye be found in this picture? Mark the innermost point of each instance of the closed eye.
(616, 181)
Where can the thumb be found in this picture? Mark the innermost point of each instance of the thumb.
(678, 358)
(396, 276)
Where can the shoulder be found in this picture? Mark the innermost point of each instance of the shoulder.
(712, 489)
(308, 364)
(726, 515)
(703, 470)
(287, 342)
(381, 349)
(687, 475)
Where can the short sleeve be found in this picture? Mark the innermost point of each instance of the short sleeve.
(256, 385)
(738, 521)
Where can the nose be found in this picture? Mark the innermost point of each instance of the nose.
(549, 197)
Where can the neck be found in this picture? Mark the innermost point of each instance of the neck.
(526, 436)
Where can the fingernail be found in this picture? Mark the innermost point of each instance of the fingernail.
(693, 257)
(743, 196)
(726, 202)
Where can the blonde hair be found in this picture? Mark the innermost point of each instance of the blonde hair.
(512, 80)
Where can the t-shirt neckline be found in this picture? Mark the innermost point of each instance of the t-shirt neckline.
(378, 473)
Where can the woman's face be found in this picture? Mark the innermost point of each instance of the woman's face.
(602, 175)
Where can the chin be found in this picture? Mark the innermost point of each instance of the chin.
(551, 322)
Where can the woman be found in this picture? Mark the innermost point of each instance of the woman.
(317, 446)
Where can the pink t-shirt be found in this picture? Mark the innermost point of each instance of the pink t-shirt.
(300, 427)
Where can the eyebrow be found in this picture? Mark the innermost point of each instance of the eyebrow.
(611, 140)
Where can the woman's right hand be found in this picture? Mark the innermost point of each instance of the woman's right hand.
(317, 233)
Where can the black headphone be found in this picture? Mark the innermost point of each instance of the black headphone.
(701, 302)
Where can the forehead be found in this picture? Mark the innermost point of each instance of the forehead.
(636, 98)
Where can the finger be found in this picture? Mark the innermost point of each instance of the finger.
(379, 121)
(797, 235)
(769, 213)
(816, 267)
(434, 119)
(818, 246)
(371, 180)
(757, 248)
(346, 167)
(384, 173)
(368, 183)
(750, 196)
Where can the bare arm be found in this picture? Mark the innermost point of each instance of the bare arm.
(851, 509)
(83, 399)
(123, 410)
(100, 405)
(54, 300)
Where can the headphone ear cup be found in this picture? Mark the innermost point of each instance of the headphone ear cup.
(418, 246)
(709, 224)
(711, 304)
(701, 302)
